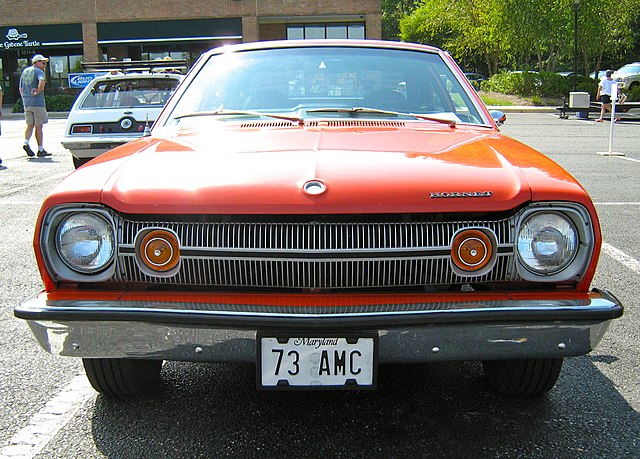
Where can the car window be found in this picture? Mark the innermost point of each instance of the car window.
(130, 93)
(301, 79)
(630, 69)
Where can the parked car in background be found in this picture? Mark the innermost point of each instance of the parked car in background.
(569, 74)
(475, 79)
(598, 75)
(319, 208)
(118, 107)
(628, 76)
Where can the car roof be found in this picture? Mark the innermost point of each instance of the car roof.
(137, 76)
(322, 43)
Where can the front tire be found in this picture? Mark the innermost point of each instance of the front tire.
(522, 377)
(123, 377)
(77, 162)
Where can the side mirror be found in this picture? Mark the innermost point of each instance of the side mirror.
(498, 116)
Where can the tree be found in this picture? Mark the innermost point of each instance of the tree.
(542, 29)
(468, 29)
(392, 12)
(490, 34)
(606, 32)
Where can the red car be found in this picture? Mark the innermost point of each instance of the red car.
(320, 208)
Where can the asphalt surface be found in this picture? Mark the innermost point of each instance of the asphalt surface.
(435, 410)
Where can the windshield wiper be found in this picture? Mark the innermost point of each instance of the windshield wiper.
(450, 123)
(226, 112)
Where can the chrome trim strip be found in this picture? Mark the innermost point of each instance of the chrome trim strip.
(408, 332)
(597, 308)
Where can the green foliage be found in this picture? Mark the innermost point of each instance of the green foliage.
(470, 30)
(522, 84)
(57, 103)
(537, 85)
(485, 35)
(392, 12)
(634, 94)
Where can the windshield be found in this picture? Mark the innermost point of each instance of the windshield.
(148, 92)
(630, 69)
(326, 81)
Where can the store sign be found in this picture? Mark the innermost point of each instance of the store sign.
(80, 80)
(14, 39)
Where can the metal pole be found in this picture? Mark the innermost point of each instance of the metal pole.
(575, 46)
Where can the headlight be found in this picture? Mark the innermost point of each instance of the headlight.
(547, 242)
(85, 242)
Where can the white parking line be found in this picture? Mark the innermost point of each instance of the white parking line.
(623, 204)
(629, 159)
(619, 255)
(45, 424)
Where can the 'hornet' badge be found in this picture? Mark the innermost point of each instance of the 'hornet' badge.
(461, 194)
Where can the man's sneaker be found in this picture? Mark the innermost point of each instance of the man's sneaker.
(42, 153)
(28, 149)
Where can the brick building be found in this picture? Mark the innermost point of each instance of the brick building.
(72, 31)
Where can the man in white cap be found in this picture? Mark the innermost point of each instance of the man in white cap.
(32, 83)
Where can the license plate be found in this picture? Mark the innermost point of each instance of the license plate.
(316, 362)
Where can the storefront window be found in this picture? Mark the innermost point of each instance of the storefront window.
(337, 31)
(59, 68)
(352, 30)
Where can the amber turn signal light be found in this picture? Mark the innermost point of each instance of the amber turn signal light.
(159, 250)
(471, 250)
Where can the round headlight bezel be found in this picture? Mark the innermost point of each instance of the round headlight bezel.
(97, 231)
(574, 266)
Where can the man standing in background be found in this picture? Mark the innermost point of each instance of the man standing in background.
(604, 94)
(32, 83)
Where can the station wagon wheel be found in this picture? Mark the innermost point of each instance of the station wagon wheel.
(522, 377)
(123, 377)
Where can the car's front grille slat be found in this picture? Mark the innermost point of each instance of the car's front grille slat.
(313, 255)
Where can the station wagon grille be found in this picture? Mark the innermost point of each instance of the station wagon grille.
(314, 255)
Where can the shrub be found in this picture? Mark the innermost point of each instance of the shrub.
(57, 103)
(634, 94)
(521, 84)
(538, 85)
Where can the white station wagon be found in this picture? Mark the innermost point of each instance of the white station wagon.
(116, 108)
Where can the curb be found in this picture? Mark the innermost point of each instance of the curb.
(523, 109)
(20, 116)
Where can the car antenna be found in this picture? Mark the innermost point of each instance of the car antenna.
(147, 131)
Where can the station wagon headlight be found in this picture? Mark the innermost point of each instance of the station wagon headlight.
(547, 242)
(85, 242)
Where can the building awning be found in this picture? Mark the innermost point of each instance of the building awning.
(112, 33)
(37, 36)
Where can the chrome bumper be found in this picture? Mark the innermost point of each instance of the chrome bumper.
(90, 148)
(412, 332)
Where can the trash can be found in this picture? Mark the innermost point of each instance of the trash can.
(580, 102)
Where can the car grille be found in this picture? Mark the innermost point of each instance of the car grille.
(314, 254)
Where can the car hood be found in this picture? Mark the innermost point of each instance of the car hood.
(366, 168)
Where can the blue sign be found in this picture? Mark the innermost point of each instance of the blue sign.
(80, 80)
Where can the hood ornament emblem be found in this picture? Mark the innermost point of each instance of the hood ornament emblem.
(461, 194)
(314, 187)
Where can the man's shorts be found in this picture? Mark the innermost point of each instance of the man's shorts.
(36, 115)
(605, 98)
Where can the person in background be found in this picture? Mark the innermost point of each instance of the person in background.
(604, 94)
(32, 83)
(115, 71)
